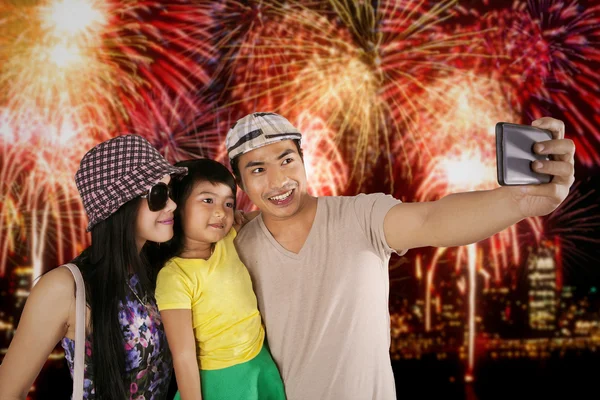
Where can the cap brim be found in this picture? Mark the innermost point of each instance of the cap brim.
(240, 150)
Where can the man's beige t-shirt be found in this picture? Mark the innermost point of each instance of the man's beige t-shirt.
(326, 308)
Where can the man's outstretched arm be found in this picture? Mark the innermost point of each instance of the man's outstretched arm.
(465, 218)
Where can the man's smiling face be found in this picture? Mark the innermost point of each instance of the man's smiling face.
(274, 178)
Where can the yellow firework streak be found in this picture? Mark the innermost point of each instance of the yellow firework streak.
(358, 69)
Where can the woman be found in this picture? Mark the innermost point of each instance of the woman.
(124, 185)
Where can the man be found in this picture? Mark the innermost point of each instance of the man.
(320, 265)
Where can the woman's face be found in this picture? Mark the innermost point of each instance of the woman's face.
(155, 226)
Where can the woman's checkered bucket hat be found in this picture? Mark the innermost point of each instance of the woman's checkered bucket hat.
(116, 171)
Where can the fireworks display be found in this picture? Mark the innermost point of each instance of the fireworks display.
(38, 158)
(96, 59)
(545, 55)
(181, 131)
(356, 66)
(72, 73)
(400, 96)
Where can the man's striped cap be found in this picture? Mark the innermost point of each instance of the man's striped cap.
(257, 130)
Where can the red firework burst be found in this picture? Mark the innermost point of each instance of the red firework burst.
(545, 55)
(180, 131)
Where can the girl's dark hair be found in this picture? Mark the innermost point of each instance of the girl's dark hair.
(199, 170)
(106, 265)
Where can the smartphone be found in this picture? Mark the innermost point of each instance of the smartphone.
(514, 154)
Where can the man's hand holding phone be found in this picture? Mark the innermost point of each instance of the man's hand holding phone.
(557, 162)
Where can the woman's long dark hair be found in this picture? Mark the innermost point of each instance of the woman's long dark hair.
(199, 170)
(106, 266)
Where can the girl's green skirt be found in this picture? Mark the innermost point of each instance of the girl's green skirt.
(257, 379)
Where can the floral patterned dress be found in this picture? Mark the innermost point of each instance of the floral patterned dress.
(148, 362)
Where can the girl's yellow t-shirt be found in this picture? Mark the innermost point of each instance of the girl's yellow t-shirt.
(218, 291)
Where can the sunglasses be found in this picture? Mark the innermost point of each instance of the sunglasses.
(158, 196)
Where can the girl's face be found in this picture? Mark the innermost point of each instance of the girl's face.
(207, 215)
(156, 226)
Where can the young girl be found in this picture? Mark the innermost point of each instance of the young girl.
(123, 183)
(205, 296)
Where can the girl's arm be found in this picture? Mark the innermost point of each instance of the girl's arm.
(43, 323)
(180, 335)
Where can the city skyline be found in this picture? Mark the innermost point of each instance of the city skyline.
(527, 317)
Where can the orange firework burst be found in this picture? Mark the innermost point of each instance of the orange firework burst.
(461, 108)
(94, 58)
(40, 188)
(11, 167)
(72, 72)
(354, 68)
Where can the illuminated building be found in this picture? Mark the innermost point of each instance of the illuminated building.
(543, 299)
(579, 313)
(418, 311)
(567, 311)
